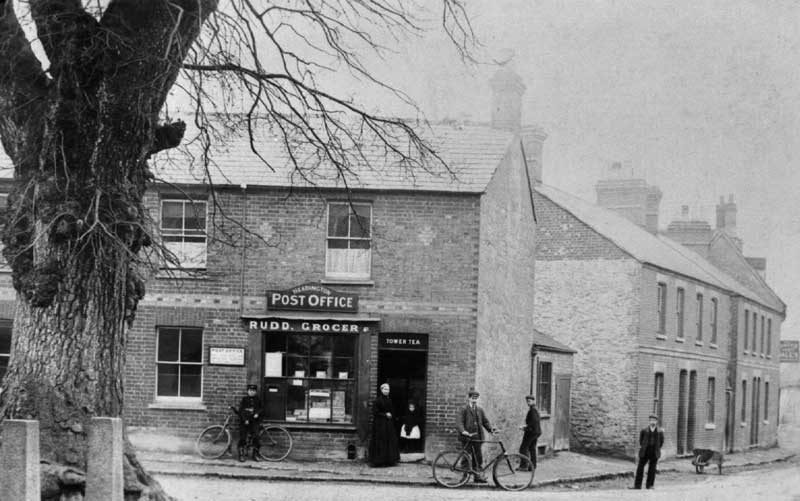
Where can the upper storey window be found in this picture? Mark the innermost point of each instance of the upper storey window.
(183, 228)
(349, 249)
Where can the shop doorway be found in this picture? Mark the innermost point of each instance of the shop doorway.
(403, 363)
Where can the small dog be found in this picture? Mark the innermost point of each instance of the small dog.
(705, 457)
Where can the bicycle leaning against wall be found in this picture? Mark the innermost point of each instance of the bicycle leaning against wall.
(511, 471)
(215, 441)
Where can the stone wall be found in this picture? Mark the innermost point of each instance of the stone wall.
(505, 296)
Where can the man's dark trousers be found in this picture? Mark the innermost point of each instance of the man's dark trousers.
(650, 460)
(528, 446)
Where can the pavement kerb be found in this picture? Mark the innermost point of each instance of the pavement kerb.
(325, 475)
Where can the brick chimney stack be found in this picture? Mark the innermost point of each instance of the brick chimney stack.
(507, 91)
(694, 234)
(726, 219)
(631, 198)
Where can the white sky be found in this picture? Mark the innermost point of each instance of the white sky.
(699, 97)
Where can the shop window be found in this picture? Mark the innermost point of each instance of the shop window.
(769, 337)
(710, 396)
(699, 317)
(544, 386)
(658, 396)
(679, 310)
(310, 378)
(180, 362)
(661, 302)
(183, 230)
(744, 401)
(746, 328)
(714, 312)
(349, 248)
(5, 346)
(766, 401)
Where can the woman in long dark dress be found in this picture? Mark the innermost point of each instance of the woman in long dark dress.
(383, 450)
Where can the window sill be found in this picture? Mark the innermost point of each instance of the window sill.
(544, 415)
(177, 406)
(347, 281)
(698, 343)
(680, 340)
(290, 425)
(661, 336)
(745, 352)
(713, 346)
(765, 422)
(710, 426)
(743, 424)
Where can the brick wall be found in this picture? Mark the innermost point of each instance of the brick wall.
(424, 266)
(505, 297)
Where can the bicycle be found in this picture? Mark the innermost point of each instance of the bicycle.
(510, 471)
(214, 441)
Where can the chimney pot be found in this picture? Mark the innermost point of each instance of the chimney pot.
(507, 91)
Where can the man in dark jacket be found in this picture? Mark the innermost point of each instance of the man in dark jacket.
(651, 439)
(249, 419)
(532, 431)
(470, 423)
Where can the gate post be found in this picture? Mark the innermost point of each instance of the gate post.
(20, 478)
(104, 479)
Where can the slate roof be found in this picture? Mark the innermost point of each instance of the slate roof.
(472, 152)
(541, 340)
(645, 247)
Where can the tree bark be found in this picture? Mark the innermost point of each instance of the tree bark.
(79, 137)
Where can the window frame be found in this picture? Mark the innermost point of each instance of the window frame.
(658, 395)
(544, 387)
(179, 362)
(699, 322)
(711, 389)
(769, 337)
(746, 330)
(754, 340)
(766, 400)
(744, 401)
(761, 343)
(182, 233)
(344, 275)
(680, 311)
(714, 319)
(661, 305)
(309, 382)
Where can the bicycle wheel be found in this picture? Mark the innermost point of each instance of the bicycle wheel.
(276, 443)
(213, 442)
(452, 468)
(513, 472)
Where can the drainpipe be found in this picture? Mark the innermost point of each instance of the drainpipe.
(243, 240)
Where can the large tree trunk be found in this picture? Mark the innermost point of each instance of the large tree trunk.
(79, 138)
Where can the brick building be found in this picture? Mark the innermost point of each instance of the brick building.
(421, 280)
(657, 327)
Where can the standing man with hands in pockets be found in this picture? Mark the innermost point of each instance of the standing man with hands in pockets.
(470, 423)
(651, 439)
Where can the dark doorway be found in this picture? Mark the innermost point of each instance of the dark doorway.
(692, 414)
(403, 363)
(729, 421)
(681, 428)
(754, 411)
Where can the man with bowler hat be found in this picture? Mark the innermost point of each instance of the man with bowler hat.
(651, 439)
(470, 423)
(532, 430)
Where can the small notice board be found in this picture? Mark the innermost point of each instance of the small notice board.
(221, 355)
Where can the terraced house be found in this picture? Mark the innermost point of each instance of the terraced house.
(676, 324)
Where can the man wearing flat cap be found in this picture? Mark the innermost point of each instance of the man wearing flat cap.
(532, 430)
(250, 416)
(470, 423)
(651, 439)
